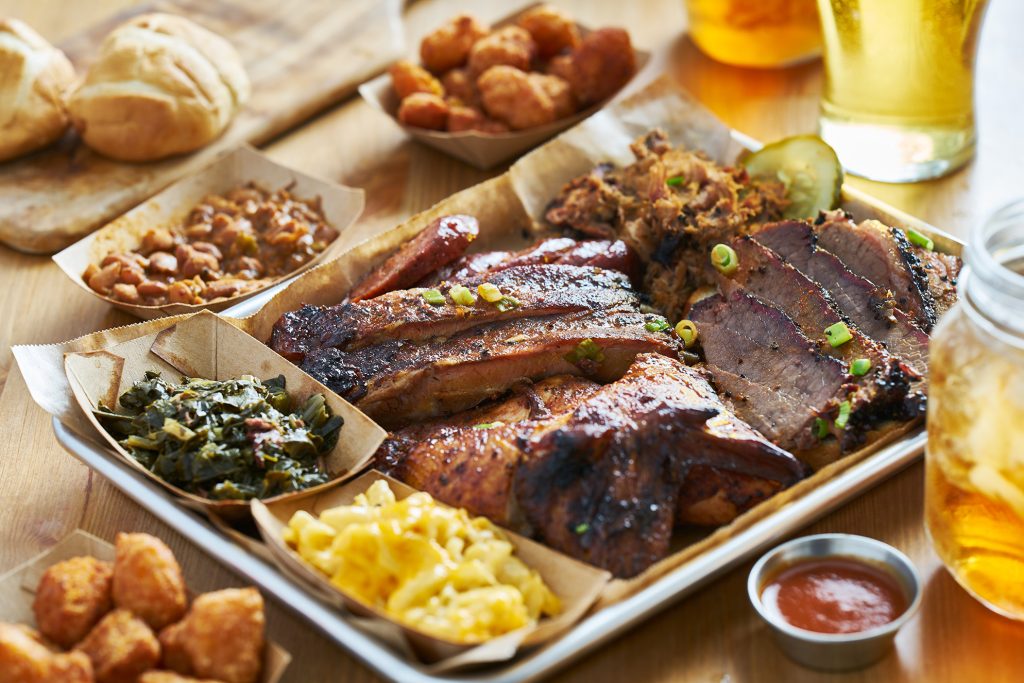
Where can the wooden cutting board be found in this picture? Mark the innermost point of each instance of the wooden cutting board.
(301, 56)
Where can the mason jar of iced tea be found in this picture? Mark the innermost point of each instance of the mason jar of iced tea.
(974, 489)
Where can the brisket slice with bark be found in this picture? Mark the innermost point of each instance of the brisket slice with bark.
(406, 314)
(602, 473)
(866, 305)
(882, 255)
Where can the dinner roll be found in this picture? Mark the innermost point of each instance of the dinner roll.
(161, 86)
(34, 76)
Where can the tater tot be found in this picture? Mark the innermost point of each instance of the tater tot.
(552, 29)
(120, 648)
(460, 85)
(511, 97)
(558, 90)
(448, 46)
(234, 616)
(407, 78)
(601, 65)
(24, 659)
(511, 46)
(173, 654)
(148, 580)
(424, 111)
(72, 596)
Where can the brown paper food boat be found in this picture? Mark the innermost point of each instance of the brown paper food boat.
(576, 584)
(341, 206)
(205, 345)
(18, 587)
(484, 150)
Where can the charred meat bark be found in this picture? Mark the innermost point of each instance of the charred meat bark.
(882, 255)
(437, 245)
(611, 255)
(597, 471)
(869, 307)
(406, 314)
(671, 206)
(943, 271)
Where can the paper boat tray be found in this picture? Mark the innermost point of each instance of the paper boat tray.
(205, 345)
(18, 588)
(341, 207)
(576, 584)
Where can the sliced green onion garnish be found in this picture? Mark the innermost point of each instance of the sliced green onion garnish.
(506, 303)
(687, 331)
(489, 425)
(490, 293)
(838, 334)
(462, 296)
(585, 350)
(820, 428)
(675, 180)
(434, 297)
(581, 528)
(844, 415)
(860, 367)
(657, 325)
(920, 239)
(723, 257)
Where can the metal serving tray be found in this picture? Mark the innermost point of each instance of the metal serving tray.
(589, 633)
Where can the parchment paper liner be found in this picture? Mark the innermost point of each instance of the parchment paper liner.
(18, 588)
(510, 209)
(485, 150)
(341, 206)
(205, 345)
(575, 583)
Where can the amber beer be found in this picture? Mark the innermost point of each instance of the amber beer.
(898, 99)
(761, 33)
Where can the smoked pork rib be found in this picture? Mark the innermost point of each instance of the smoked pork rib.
(870, 307)
(400, 381)
(597, 471)
(406, 314)
(554, 250)
(882, 255)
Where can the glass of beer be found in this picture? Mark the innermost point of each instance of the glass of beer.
(759, 33)
(898, 104)
(974, 486)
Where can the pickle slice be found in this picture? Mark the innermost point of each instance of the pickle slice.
(809, 169)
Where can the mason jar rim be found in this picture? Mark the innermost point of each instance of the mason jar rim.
(987, 285)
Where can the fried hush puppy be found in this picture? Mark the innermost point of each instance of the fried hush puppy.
(470, 118)
(72, 597)
(424, 110)
(553, 30)
(173, 654)
(24, 659)
(510, 46)
(223, 635)
(448, 47)
(121, 647)
(147, 580)
(408, 78)
(458, 84)
(601, 65)
(523, 100)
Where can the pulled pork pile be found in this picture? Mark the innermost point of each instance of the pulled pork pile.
(672, 206)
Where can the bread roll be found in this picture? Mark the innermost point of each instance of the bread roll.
(161, 86)
(34, 77)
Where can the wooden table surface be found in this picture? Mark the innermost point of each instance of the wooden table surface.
(712, 636)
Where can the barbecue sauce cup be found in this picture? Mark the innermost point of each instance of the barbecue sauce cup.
(830, 651)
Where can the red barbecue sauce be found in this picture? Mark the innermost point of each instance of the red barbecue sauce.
(834, 595)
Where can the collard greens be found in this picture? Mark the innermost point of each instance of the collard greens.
(233, 439)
